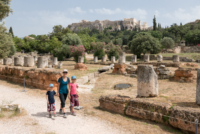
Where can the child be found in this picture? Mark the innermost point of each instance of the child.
(51, 101)
(73, 95)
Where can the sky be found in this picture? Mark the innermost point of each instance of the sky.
(39, 16)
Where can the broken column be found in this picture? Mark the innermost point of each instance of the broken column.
(159, 58)
(29, 61)
(60, 64)
(113, 59)
(147, 81)
(1, 61)
(133, 58)
(175, 58)
(18, 61)
(7, 61)
(95, 59)
(122, 56)
(80, 59)
(103, 59)
(146, 58)
(42, 61)
(55, 60)
(198, 88)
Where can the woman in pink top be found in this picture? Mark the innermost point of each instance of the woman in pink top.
(73, 95)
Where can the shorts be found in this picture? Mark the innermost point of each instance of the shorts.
(74, 100)
(51, 107)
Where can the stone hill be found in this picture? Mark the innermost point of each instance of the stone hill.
(127, 23)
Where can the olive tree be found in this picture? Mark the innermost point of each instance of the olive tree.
(167, 42)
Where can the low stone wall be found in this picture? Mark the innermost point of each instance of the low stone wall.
(155, 111)
(158, 64)
(39, 78)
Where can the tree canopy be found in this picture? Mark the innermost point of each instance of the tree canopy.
(5, 9)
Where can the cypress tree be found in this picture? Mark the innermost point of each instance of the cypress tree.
(11, 32)
(154, 24)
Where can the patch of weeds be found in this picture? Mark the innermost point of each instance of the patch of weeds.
(34, 123)
(50, 133)
(152, 110)
(172, 106)
(166, 118)
(145, 124)
(155, 126)
(26, 77)
(126, 106)
(1, 115)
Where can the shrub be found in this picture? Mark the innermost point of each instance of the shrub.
(167, 42)
(71, 39)
(114, 50)
(77, 51)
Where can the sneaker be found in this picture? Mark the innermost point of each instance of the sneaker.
(50, 116)
(60, 111)
(55, 115)
(70, 108)
(73, 113)
(65, 115)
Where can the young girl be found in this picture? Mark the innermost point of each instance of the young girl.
(73, 95)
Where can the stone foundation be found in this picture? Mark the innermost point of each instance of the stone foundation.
(80, 66)
(158, 64)
(151, 110)
(183, 75)
(119, 68)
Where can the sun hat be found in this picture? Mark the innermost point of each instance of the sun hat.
(65, 71)
(51, 85)
(73, 77)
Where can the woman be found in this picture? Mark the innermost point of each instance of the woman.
(63, 82)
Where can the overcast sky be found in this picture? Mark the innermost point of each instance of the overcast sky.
(39, 16)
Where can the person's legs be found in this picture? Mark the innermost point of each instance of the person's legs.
(62, 100)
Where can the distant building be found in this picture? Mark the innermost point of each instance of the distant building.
(127, 23)
(29, 37)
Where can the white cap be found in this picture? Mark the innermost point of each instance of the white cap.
(65, 70)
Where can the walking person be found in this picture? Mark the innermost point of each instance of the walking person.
(73, 95)
(63, 82)
(51, 101)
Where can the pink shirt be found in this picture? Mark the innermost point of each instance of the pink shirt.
(73, 87)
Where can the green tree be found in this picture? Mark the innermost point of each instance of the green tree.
(5, 9)
(59, 31)
(143, 44)
(157, 34)
(7, 47)
(118, 41)
(53, 44)
(11, 32)
(167, 42)
(71, 39)
(154, 24)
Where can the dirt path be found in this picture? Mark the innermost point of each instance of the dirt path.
(36, 120)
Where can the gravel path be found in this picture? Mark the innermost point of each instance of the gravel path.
(37, 122)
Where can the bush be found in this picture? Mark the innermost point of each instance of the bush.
(143, 44)
(63, 51)
(114, 50)
(71, 39)
(77, 51)
(98, 49)
(167, 42)
(99, 53)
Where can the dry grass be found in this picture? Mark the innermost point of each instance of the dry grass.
(11, 114)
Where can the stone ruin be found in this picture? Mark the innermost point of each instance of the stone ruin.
(80, 65)
(163, 72)
(147, 81)
(127, 23)
(183, 75)
(120, 67)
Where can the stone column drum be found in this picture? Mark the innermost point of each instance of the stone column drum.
(123, 57)
(95, 59)
(35, 58)
(133, 58)
(146, 58)
(120, 60)
(80, 59)
(159, 58)
(1, 61)
(55, 60)
(7, 61)
(198, 88)
(175, 58)
(113, 59)
(147, 81)
(18, 61)
(29, 61)
(103, 59)
(42, 62)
